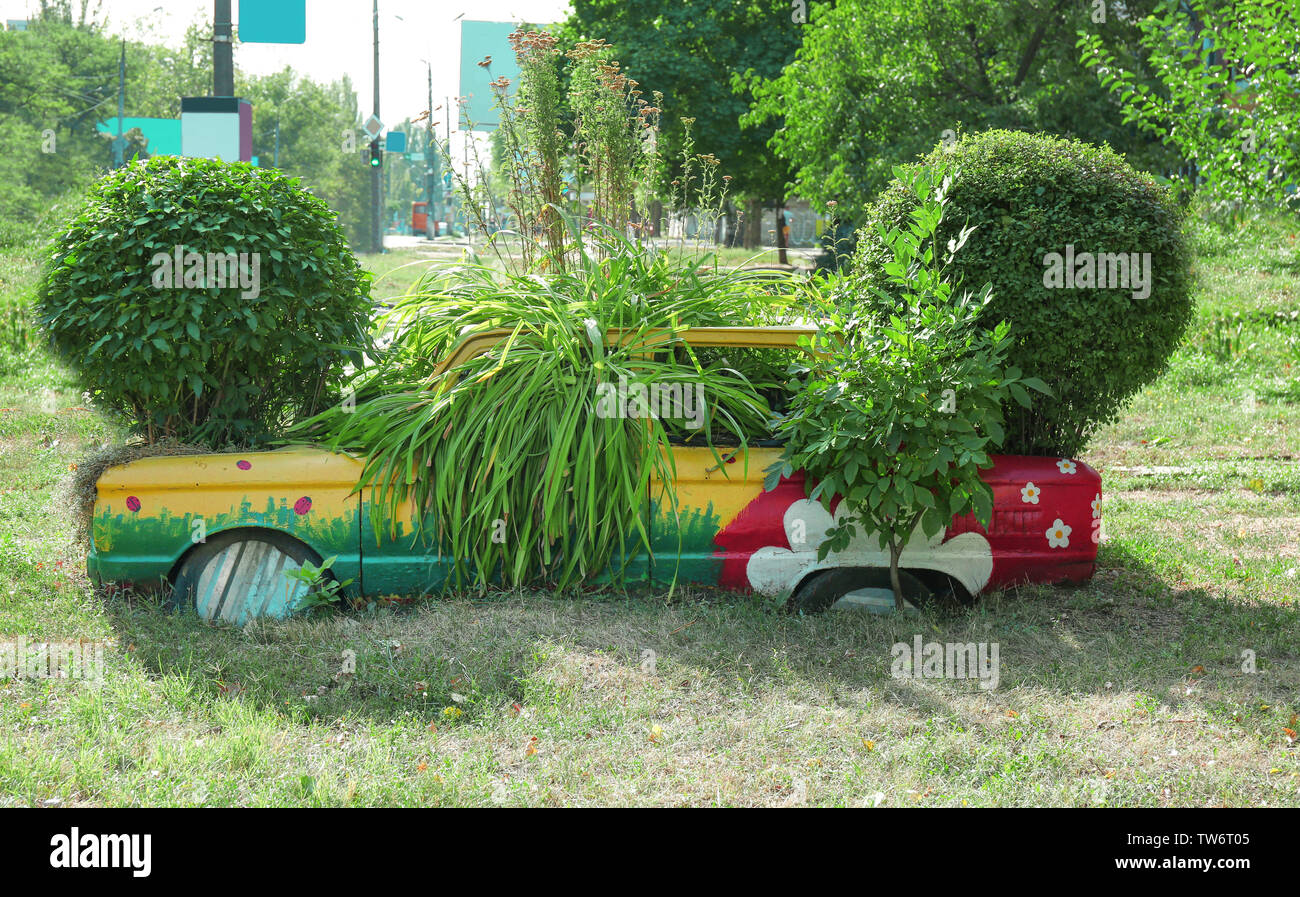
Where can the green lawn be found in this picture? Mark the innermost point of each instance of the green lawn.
(1132, 690)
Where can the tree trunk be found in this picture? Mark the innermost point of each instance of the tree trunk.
(731, 223)
(895, 551)
(1035, 41)
(781, 257)
(753, 223)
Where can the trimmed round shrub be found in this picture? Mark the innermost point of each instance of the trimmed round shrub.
(205, 302)
(1089, 262)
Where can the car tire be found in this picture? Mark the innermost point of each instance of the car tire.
(237, 576)
(823, 589)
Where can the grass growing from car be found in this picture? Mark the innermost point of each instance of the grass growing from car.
(1133, 689)
(517, 466)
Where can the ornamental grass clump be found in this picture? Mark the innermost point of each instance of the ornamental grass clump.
(525, 464)
(536, 460)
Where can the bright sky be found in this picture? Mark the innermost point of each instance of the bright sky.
(339, 35)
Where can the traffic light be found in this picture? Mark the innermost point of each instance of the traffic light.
(376, 155)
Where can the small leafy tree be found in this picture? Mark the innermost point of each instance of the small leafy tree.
(323, 590)
(898, 420)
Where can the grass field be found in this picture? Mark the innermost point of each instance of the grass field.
(1172, 679)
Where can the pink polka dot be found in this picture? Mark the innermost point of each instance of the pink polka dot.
(132, 503)
(243, 465)
(302, 505)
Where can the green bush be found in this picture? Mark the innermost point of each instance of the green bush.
(248, 334)
(1028, 196)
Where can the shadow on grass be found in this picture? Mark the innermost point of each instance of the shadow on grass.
(1127, 630)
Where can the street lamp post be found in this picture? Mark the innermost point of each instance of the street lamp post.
(429, 164)
(119, 144)
(376, 235)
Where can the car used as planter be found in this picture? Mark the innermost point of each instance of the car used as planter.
(238, 535)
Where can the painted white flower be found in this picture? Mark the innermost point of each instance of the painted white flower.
(1029, 494)
(774, 570)
(1058, 535)
(1096, 507)
(1065, 465)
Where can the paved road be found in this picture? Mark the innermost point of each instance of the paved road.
(401, 241)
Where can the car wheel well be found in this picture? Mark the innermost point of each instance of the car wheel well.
(939, 585)
(234, 534)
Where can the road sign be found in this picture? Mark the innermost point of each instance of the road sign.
(373, 126)
(272, 21)
(163, 134)
(485, 55)
(396, 142)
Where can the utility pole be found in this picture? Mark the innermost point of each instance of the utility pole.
(376, 235)
(223, 58)
(119, 145)
(276, 159)
(782, 258)
(464, 142)
(450, 166)
(430, 207)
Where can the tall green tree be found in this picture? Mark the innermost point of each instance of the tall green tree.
(157, 76)
(60, 77)
(1226, 100)
(315, 121)
(879, 82)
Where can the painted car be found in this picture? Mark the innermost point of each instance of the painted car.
(227, 530)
